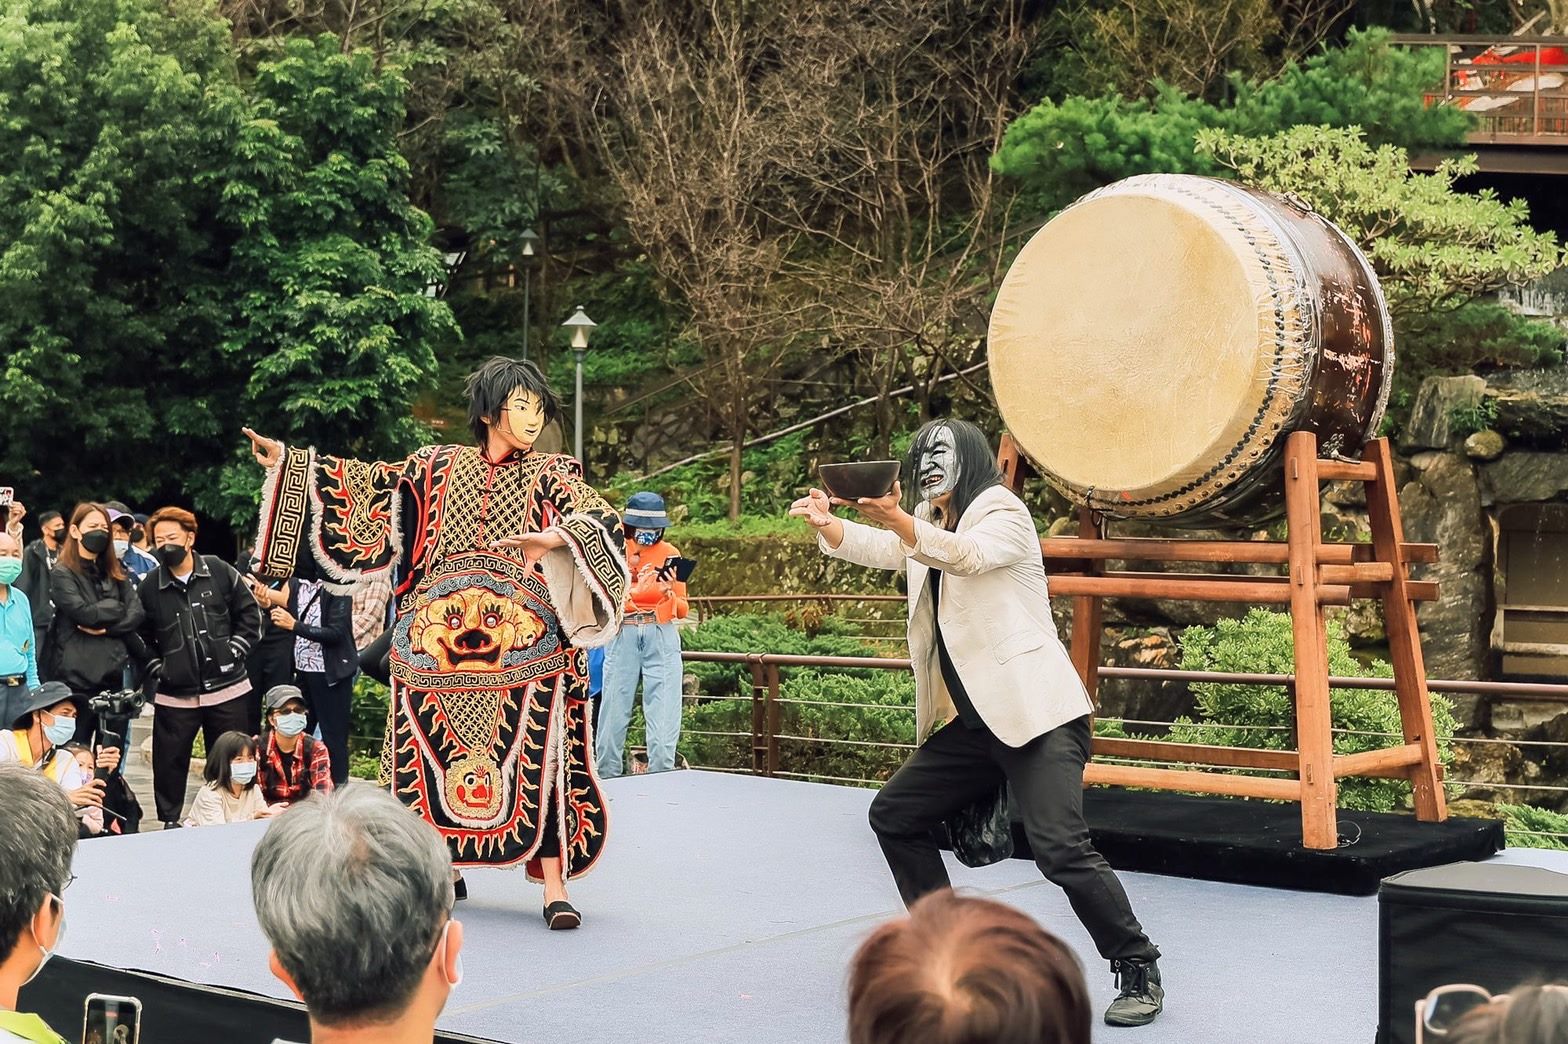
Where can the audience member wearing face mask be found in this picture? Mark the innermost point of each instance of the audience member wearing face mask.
(350, 880)
(122, 524)
(37, 734)
(38, 558)
(97, 613)
(325, 659)
(18, 646)
(294, 764)
(201, 625)
(40, 833)
(231, 794)
(648, 645)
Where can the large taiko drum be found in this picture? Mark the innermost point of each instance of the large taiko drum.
(1154, 344)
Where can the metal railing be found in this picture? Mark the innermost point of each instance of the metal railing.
(1516, 87)
(766, 736)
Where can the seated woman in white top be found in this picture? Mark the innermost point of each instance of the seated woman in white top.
(40, 727)
(230, 794)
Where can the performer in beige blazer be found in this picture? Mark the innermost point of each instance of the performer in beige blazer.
(996, 697)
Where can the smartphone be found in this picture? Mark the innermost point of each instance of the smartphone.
(7, 496)
(112, 1020)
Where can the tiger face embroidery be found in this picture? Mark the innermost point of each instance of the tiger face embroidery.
(472, 629)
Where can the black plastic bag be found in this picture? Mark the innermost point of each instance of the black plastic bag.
(982, 833)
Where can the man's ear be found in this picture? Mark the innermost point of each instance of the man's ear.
(46, 922)
(451, 965)
(283, 976)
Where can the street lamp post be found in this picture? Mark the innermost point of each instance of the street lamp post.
(580, 325)
(529, 238)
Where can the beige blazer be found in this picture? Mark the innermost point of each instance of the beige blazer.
(995, 616)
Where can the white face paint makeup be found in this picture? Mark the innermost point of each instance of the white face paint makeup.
(938, 470)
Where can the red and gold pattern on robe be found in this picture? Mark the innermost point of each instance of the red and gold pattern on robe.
(488, 726)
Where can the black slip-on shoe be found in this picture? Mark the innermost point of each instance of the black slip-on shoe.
(1141, 997)
(562, 916)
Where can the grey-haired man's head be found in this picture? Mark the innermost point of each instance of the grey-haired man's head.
(37, 842)
(354, 892)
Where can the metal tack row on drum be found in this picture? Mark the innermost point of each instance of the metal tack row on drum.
(1153, 345)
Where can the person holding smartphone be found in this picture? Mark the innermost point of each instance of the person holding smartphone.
(648, 648)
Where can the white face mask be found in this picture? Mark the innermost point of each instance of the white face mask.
(120, 547)
(938, 467)
(59, 936)
(291, 724)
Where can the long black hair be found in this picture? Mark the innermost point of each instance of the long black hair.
(977, 467)
(225, 749)
(498, 380)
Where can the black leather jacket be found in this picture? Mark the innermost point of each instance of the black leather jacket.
(199, 632)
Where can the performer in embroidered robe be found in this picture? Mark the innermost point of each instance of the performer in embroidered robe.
(509, 567)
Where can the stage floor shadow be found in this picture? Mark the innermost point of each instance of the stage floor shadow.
(726, 909)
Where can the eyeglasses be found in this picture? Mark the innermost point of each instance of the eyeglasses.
(1441, 1010)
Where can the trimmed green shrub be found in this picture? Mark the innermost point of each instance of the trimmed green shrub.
(1264, 715)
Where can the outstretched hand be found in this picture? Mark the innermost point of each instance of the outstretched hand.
(815, 508)
(267, 451)
(534, 546)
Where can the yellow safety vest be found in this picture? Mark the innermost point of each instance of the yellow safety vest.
(25, 751)
(29, 1027)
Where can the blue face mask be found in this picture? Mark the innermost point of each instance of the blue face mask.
(242, 772)
(291, 724)
(60, 730)
(648, 537)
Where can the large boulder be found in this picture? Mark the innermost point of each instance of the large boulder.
(1531, 406)
(1442, 505)
(1143, 700)
(1521, 477)
(1431, 420)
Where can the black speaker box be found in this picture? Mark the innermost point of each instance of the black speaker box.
(1493, 924)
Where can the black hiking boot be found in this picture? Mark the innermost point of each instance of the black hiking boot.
(1141, 997)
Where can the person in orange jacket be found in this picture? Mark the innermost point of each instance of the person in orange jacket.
(648, 645)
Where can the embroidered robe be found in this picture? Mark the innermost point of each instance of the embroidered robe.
(488, 727)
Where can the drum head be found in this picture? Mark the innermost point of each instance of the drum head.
(1135, 340)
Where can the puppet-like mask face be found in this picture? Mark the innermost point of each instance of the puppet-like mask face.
(938, 466)
(522, 419)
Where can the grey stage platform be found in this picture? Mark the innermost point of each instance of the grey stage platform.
(727, 909)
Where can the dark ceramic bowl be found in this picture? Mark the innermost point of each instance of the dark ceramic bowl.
(860, 478)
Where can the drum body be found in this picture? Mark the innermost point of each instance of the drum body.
(1153, 345)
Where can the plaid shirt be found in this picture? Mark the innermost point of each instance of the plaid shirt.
(281, 778)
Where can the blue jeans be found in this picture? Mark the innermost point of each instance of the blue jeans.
(653, 653)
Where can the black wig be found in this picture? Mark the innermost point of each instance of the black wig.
(497, 381)
(977, 467)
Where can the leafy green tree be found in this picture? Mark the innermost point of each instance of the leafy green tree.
(115, 115)
(1059, 150)
(333, 265)
(183, 251)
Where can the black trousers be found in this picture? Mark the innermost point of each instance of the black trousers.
(958, 766)
(270, 663)
(332, 705)
(174, 733)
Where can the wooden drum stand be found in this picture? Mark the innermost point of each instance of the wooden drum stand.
(1319, 574)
